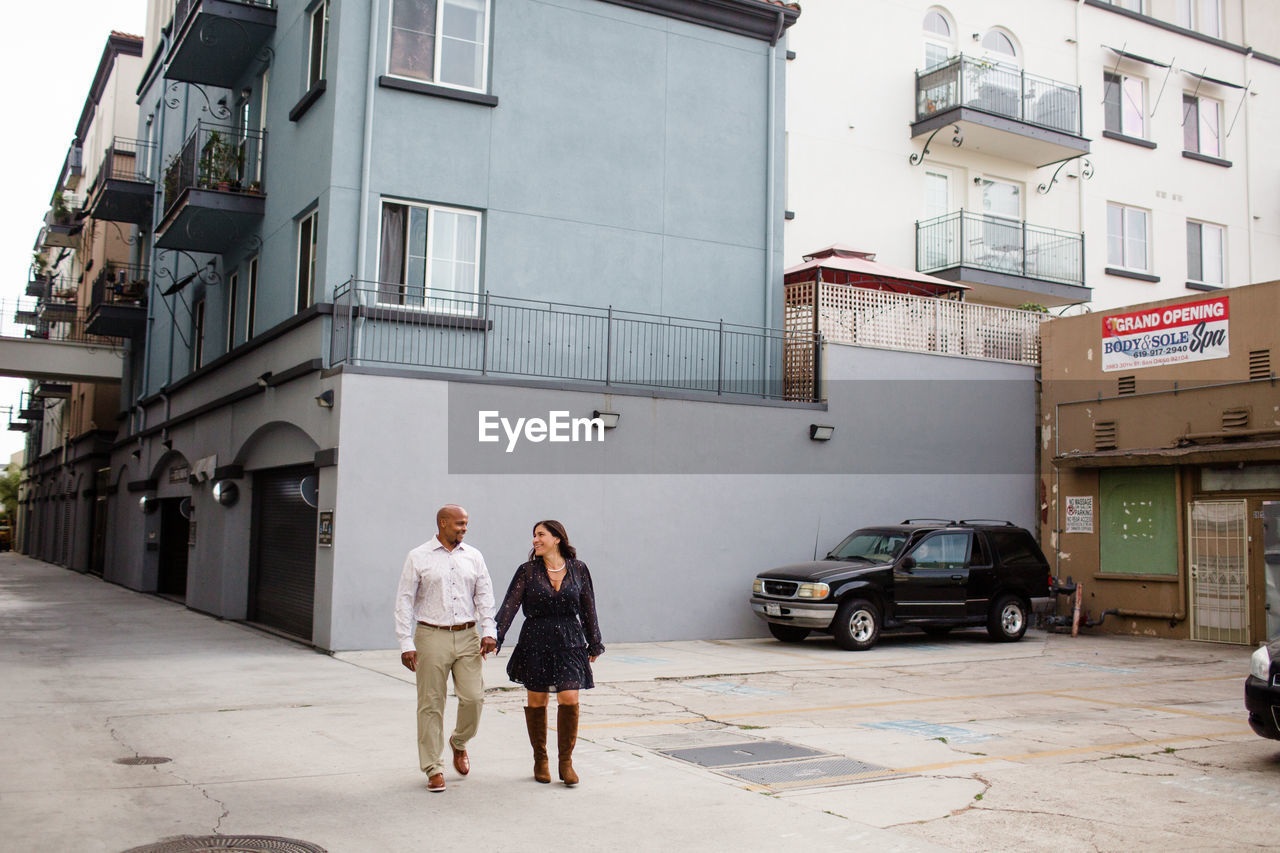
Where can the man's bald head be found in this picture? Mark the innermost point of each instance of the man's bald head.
(451, 525)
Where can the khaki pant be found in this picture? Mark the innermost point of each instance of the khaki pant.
(441, 652)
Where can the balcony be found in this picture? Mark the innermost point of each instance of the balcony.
(1004, 261)
(118, 301)
(48, 390)
(1001, 111)
(121, 191)
(63, 222)
(39, 284)
(213, 190)
(215, 41)
(48, 341)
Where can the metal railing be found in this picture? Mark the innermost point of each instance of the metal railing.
(998, 89)
(216, 157)
(124, 160)
(67, 213)
(48, 320)
(995, 244)
(844, 314)
(183, 8)
(119, 284)
(389, 324)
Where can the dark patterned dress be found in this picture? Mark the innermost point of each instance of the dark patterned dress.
(560, 631)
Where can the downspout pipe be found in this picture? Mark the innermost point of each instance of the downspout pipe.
(366, 155)
(770, 148)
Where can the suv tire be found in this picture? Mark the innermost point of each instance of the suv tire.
(788, 633)
(857, 625)
(1008, 620)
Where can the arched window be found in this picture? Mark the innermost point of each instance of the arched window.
(939, 38)
(1000, 48)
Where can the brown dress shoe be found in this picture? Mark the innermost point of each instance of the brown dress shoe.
(435, 783)
(461, 762)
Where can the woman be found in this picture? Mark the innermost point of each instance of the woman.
(558, 643)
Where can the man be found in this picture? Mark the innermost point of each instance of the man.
(445, 590)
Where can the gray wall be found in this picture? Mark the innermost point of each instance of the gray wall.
(686, 500)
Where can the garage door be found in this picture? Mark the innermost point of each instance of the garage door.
(283, 571)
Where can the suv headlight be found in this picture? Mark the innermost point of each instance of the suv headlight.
(813, 590)
(757, 587)
(1260, 664)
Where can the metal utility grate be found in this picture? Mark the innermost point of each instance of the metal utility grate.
(1235, 418)
(1260, 364)
(814, 773)
(1218, 552)
(1126, 385)
(689, 740)
(224, 843)
(142, 760)
(742, 753)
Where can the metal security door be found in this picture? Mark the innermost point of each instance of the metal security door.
(1218, 556)
(1271, 564)
(283, 568)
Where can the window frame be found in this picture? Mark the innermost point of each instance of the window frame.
(305, 300)
(251, 299)
(1123, 264)
(316, 71)
(1190, 14)
(233, 294)
(197, 333)
(1123, 79)
(1221, 231)
(1197, 103)
(932, 39)
(486, 28)
(457, 308)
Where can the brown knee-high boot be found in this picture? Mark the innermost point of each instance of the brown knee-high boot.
(567, 736)
(536, 720)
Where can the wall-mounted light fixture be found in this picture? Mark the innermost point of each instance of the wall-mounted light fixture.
(167, 444)
(264, 380)
(136, 453)
(610, 418)
(821, 432)
(325, 399)
(148, 504)
(226, 492)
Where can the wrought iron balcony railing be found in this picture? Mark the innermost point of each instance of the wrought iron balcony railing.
(120, 284)
(215, 157)
(124, 160)
(385, 323)
(183, 8)
(48, 320)
(963, 81)
(998, 245)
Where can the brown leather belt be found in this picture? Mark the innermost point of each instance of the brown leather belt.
(464, 626)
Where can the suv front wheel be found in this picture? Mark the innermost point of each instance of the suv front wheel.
(857, 625)
(1008, 620)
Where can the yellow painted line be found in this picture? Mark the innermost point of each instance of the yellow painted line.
(1164, 709)
(1077, 750)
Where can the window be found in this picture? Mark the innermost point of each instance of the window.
(1203, 16)
(319, 43)
(440, 41)
(307, 260)
(1201, 120)
(251, 300)
(1127, 237)
(999, 47)
(943, 551)
(197, 335)
(1124, 100)
(939, 41)
(1131, 5)
(233, 293)
(1205, 244)
(429, 249)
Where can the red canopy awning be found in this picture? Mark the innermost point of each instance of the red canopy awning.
(844, 265)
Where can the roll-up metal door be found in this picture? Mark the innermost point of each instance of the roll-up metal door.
(283, 572)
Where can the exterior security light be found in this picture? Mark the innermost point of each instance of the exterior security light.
(148, 504)
(325, 399)
(821, 432)
(610, 418)
(226, 492)
(264, 380)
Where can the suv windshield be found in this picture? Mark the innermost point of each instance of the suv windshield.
(870, 545)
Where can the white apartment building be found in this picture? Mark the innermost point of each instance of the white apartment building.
(1044, 152)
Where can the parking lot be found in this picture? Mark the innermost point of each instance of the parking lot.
(1092, 743)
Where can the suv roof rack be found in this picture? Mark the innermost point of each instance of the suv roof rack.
(995, 522)
(945, 521)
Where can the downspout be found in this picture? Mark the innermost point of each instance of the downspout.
(1248, 161)
(769, 148)
(366, 155)
(1084, 275)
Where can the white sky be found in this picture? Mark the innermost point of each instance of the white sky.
(50, 61)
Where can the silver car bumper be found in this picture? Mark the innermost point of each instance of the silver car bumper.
(794, 613)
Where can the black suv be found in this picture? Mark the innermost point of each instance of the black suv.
(923, 573)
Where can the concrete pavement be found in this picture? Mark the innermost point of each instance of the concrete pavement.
(1096, 743)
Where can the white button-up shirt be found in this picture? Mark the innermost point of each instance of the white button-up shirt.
(443, 587)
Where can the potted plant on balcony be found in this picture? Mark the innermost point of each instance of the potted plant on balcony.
(219, 163)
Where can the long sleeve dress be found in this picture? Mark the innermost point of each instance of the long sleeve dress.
(560, 632)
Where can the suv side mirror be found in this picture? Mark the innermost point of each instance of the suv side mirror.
(908, 563)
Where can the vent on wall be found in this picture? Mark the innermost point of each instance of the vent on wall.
(1235, 418)
(1104, 435)
(1127, 385)
(1260, 364)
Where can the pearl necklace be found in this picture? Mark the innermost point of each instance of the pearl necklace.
(561, 569)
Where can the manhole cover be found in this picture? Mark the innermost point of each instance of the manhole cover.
(688, 740)
(144, 759)
(225, 843)
(752, 752)
(815, 773)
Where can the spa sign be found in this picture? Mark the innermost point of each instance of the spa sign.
(1174, 334)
